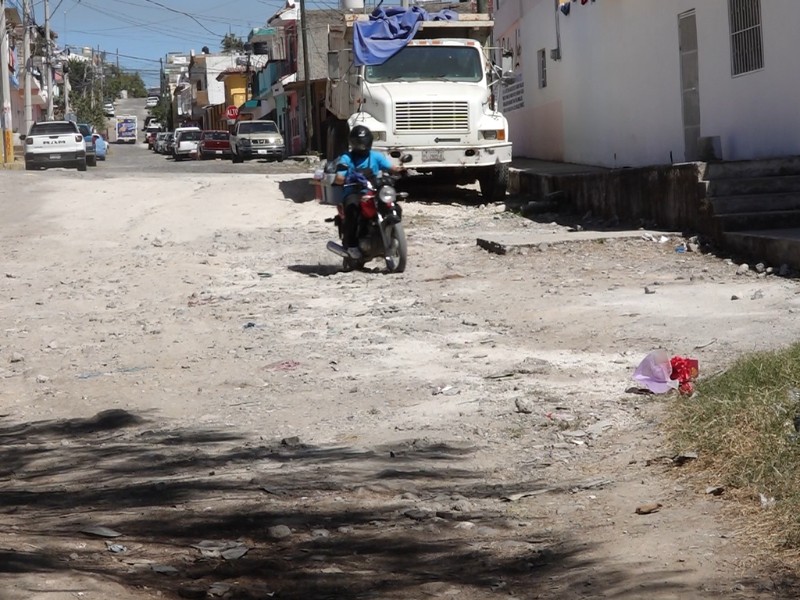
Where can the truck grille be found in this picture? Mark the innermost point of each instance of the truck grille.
(432, 116)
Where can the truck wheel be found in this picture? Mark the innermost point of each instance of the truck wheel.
(82, 165)
(237, 159)
(29, 167)
(91, 161)
(494, 182)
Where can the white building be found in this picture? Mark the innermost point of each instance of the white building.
(637, 82)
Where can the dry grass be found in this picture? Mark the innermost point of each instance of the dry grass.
(741, 423)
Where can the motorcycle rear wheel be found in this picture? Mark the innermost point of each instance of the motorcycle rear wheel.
(399, 250)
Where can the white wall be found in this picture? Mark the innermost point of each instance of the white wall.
(614, 99)
(214, 66)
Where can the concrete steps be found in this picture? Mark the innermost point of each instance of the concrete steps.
(755, 207)
(774, 247)
(773, 167)
(747, 203)
(755, 186)
(765, 219)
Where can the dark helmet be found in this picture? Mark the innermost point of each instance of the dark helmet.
(360, 139)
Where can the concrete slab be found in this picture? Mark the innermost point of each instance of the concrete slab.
(546, 167)
(775, 234)
(503, 243)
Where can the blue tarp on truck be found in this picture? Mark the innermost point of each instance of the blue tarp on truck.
(389, 30)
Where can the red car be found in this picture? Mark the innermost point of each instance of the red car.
(214, 144)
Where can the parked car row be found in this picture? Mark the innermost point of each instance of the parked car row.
(248, 140)
(191, 142)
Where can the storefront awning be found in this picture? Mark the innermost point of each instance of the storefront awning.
(257, 107)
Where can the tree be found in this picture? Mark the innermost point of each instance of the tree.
(118, 80)
(231, 44)
(163, 112)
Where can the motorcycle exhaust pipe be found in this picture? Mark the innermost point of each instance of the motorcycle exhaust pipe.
(337, 249)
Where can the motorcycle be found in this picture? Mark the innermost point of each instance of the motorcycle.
(380, 228)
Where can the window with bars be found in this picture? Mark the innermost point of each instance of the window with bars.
(747, 46)
(541, 59)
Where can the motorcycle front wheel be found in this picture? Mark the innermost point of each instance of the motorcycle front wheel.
(397, 253)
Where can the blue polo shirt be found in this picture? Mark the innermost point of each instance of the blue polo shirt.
(376, 161)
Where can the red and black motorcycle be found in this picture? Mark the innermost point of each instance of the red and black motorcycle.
(380, 231)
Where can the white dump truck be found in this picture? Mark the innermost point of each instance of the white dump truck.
(434, 100)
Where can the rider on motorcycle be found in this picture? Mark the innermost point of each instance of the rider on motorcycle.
(361, 162)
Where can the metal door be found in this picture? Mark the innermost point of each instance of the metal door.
(690, 83)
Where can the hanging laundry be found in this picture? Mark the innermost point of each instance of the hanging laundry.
(564, 6)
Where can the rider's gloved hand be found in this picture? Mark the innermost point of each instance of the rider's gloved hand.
(356, 179)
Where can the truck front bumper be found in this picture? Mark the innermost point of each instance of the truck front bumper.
(261, 151)
(428, 158)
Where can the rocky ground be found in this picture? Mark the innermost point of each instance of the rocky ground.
(197, 402)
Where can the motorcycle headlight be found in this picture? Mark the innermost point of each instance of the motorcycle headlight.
(387, 195)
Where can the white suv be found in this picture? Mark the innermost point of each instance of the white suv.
(54, 144)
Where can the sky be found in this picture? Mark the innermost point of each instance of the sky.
(142, 31)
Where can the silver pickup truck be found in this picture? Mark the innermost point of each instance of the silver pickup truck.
(256, 139)
(54, 144)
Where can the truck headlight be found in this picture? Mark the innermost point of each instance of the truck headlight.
(379, 136)
(493, 134)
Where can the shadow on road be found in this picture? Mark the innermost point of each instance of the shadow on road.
(298, 190)
(404, 520)
(317, 270)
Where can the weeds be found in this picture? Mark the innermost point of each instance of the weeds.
(741, 423)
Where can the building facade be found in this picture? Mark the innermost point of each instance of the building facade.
(632, 83)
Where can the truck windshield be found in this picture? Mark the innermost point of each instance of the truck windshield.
(423, 63)
(257, 128)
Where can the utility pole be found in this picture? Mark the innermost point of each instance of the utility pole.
(48, 61)
(94, 81)
(5, 91)
(405, 4)
(102, 75)
(306, 70)
(66, 87)
(26, 59)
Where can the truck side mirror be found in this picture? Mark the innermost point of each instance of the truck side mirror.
(22, 137)
(507, 62)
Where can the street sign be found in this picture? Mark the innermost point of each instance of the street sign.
(232, 112)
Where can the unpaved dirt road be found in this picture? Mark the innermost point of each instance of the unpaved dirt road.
(184, 364)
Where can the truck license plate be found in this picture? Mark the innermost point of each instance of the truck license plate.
(432, 156)
(262, 151)
(218, 152)
(55, 156)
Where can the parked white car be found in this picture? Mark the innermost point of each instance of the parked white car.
(54, 144)
(152, 102)
(186, 140)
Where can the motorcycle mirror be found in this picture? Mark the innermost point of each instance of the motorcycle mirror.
(406, 158)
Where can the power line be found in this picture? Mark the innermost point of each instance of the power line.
(180, 12)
